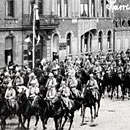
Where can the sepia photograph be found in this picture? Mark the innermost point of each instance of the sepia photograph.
(64, 64)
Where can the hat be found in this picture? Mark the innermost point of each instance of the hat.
(51, 75)
(91, 75)
(17, 74)
(33, 82)
(32, 75)
(63, 82)
(6, 74)
(9, 84)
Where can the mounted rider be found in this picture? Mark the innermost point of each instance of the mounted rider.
(33, 90)
(10, 95)
(72, 84)
(65, 95)
(18, 81)
(93, 86)
(51, 94)
(6, 79)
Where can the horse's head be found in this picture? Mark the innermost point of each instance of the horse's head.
(21, 98)
(37, 102)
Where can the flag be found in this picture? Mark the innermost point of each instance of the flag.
(38, 39)
(37, 24)
(37, 19)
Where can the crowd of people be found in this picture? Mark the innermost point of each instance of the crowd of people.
(62, 78)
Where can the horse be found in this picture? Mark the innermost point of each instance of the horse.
(26, 110)
(107, 81)
(90, 101)
(5, 111)
(48, 110)
(117, 80)
(126, 85)
(76, 105)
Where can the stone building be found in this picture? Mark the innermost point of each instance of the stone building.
(68, 27)
(122, 26)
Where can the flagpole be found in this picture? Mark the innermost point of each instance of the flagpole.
(33, 48)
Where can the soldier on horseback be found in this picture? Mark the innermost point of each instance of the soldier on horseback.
(93, 86)
(10, 95)
(51, 94)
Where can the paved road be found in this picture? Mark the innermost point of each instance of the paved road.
(113, 115)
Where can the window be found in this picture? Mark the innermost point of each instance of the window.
(100, 41)
(10, 8)
(40, 6)
(59, 12)
(109, 39)
(69, 43)
(66, 8)
(102, 8)
(107, 12)
(93, 8)
(86, 42)
(84, 8)
(8, 50)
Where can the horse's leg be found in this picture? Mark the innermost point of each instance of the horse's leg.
(98, 106)
(20, 121)
(43, 123)
(62, 127)
(57, 123)
(117, 91)
(71, 120)
(83, 114)
(37, 119)
(91, 111)
(112, 90)
(94, 106)
(3, 124)
(29, 118)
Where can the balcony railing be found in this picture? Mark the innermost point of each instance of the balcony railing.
(45, 20)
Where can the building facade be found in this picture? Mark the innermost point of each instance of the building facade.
(122, 26)
(68, 27)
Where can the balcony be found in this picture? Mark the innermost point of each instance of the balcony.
(46, 21)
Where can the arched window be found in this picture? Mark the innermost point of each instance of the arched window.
(69, 43)
(84, 7)
(40, 6)
(66, 8)
(8, 49)
(100, 39)
(10, 8)
(93, 8)
(102, 8)
(107, 10)
(109, 39)
(91, 42)
(86, 42)
(59, 12)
